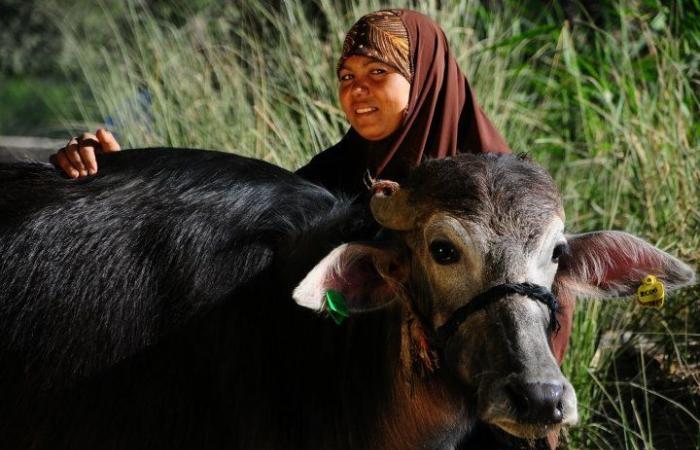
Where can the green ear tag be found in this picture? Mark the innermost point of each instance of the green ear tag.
(337, 307)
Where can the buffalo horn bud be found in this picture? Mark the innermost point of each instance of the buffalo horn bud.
(390, 206)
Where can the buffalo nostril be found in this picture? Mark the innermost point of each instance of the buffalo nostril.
(538, 402)
(559, 412)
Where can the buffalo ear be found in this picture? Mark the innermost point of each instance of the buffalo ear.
(605, 264)
(368, 276)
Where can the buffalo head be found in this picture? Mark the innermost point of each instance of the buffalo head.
(477, 253)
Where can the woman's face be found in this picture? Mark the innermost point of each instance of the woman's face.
(373, 96)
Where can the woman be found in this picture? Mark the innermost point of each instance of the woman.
(405, 98)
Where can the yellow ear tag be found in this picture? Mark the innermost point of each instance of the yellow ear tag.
(651, 292)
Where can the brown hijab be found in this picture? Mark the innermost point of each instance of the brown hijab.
(442, 118)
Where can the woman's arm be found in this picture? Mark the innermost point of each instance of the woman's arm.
(77, 158)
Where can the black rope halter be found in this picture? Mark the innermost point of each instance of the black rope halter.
(534, 291)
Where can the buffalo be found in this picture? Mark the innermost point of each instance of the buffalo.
(199, 300)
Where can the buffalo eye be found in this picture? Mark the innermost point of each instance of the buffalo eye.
(559, 250)
(444, 253)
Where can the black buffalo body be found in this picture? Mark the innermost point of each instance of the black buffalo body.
(150, 307)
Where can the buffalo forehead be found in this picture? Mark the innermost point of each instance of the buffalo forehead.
(505, 195)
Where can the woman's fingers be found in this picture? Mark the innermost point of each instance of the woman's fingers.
(88, 144)
(107, 141)
(73, 155)
(61, 160)
(77, 158)
(87, 154)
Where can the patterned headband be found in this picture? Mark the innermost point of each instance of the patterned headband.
(380, 35)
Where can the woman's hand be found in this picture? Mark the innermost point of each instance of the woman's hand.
(77, 158)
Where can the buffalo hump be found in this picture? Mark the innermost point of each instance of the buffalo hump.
(95, 270)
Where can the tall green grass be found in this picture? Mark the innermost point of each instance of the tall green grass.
(610, 108)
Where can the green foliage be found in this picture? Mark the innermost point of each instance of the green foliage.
(34, 106)
(608, 104)
(27, 38)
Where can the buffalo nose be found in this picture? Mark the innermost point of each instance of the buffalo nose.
(538, 402)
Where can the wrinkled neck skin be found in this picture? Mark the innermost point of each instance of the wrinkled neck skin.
(429, 410)
(425, 416)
